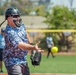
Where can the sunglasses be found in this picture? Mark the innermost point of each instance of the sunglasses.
(15, 16)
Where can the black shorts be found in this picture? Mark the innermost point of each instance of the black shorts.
(49, 49)
(1, 52)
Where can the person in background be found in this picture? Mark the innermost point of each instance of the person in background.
(2, 45)
(17, 44)
(50, 44)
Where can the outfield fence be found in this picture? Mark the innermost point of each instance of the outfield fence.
(46, 30)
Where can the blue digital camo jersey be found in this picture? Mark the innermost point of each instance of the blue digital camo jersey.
(49, 41)
(12, 54)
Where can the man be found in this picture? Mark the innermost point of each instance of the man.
(17, 44)
(50, 44)
(2, 45)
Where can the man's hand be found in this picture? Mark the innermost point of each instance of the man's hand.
(37, 48)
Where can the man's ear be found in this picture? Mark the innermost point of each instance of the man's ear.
(9, 19)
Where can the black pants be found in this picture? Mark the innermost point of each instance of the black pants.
(48, 53)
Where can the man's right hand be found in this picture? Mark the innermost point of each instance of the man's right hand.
(37, 48)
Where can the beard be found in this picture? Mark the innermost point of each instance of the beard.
(18, 22)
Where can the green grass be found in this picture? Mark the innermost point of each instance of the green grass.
(59, 64)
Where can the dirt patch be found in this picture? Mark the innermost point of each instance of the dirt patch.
(42, 74)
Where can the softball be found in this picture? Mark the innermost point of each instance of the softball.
(54, 49)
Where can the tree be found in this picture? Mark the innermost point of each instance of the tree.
(40, 10)
(23, 5)
(1, 10)
(61, 18)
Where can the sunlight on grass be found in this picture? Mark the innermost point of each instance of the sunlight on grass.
(59, 64)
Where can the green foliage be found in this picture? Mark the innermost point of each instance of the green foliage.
(55, 39)
(24, 6)
(61, 18)
(1, 10)
(43, 44)
(40, 10)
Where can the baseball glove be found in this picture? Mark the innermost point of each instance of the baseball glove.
(35, 57)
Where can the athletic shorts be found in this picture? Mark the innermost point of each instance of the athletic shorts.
(49, 49)
(19, 69)
(1, 51)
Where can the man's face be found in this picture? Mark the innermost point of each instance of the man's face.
(14, 19)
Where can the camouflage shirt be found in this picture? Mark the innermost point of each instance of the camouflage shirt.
(12, 54)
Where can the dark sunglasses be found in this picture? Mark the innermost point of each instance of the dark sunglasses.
(15, 16)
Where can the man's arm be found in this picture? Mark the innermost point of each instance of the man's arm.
(26, 46)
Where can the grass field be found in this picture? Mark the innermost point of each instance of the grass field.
(60, 64)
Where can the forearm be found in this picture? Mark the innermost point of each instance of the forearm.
(26, 46)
